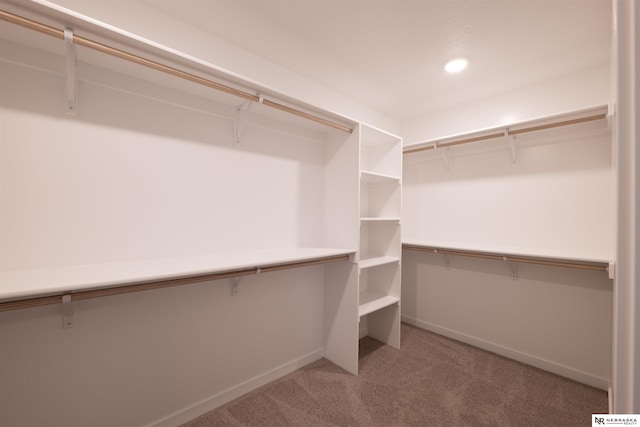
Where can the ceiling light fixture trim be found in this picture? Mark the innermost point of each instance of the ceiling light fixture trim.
(456, 65)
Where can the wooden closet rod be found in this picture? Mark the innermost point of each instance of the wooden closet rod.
(506, 132)
(584, 265)
(158, 284)
(82, 41)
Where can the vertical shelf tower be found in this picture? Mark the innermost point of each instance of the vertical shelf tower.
(380, 244)
(362, 209)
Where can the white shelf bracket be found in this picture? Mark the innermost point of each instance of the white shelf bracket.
(447, 262)
(241, 120)
(513, 266)
(72, 83)
(235, 282)
(512, 143)
(445, 156)
(68, 313)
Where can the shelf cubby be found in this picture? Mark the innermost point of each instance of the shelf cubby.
(380, 199)
(380, 239)
(380, 153)
(380, 245)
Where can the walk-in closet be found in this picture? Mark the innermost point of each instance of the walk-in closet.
(198, 199)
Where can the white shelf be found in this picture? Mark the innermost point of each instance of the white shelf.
(540, 121)
(377, 178)
(369, 262)
(369, 218)
(514, 251)
(16, 284)
(370, 302)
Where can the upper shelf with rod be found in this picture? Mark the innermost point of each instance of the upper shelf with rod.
(104, 39)
(550, 122)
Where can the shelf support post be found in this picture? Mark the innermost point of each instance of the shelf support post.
(72, 83)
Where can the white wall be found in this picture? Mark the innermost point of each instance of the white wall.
(143, 172)
(132, 360)
(555, 318)
(577, 91)
(557, 200)
(149, 174)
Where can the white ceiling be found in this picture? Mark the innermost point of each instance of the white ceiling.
(389, 54)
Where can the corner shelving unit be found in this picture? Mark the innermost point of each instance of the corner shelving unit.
(380, 241)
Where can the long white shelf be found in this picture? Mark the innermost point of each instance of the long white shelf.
(370, 302)
(377, 218)
(22, 284)
(369, 262)
(517, 254)
(541, 123)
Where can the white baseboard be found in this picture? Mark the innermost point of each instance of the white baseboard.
(219, 399)
(529, 359)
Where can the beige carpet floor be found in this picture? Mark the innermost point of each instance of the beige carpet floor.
(431, 381)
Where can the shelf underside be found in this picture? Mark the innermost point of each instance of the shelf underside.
(375, 261)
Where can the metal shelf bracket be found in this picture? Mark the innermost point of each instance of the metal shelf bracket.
(447, 259)
(68, 313)
(445, 156)
(512, 143)
(235, 282)
(241, 120)
(72, 83)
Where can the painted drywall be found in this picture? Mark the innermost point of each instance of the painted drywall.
(554, 318)
(585, 89)
(146, 174)
(558, 199)
(144, 171)
(134, 360)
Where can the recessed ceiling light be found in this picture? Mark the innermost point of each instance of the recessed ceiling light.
(456, 65)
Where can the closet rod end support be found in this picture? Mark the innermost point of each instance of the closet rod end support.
(611, 270)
